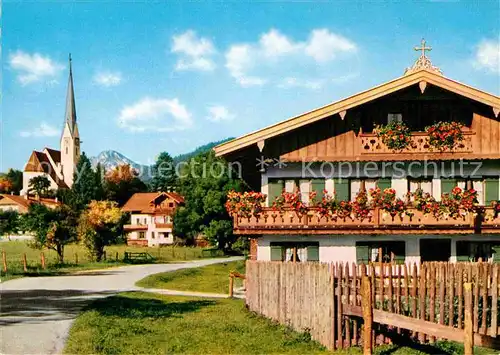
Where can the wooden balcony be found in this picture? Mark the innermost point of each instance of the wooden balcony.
(379, 222)
(371, 144)
(135, 227)
(164, 225)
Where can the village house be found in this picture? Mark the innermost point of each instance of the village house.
(423, 141)
(151, 218)
(21, 204)
(58, 165)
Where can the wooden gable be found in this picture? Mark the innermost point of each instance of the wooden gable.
(421, 80)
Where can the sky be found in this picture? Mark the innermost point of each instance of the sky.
(171, 76)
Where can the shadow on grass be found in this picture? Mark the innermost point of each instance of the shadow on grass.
(144, 307)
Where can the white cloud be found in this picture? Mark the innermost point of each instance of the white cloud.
(44, 130)
(32, 68)
(488, 56)
(275, 44)
(246, 61)
(195, 52)
(324, 46)
(108, 79)
(218, 113)
(239, 59)
(291, 82)
(160, 114)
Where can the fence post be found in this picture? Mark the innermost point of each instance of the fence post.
(116, 256)
(468, 329)
(42, 256)
(231, 281)
(104, 255)
(76, 258)
(4, 260)
(366, 303)
(25, 266)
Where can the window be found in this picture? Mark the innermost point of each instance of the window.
(420, 184)
(473, 251)
(361, 185)
(152, 235)
(294, 252)
(376, 251)
(394, 117)
(476, 184)
(142, 235)
(171, 205)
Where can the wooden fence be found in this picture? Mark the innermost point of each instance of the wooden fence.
(319, 298)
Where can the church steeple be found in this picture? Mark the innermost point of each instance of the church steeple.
(70, 138)
(70, 116)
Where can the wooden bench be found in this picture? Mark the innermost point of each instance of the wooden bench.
(141, 257)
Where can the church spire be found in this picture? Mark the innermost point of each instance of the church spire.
(70, 116)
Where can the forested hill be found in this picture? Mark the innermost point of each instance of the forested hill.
(201, 149)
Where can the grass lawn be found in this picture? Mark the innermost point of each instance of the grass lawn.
(211, 278)
(143, 323)
(14, 251)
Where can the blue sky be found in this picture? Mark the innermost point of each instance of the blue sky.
(173, 76)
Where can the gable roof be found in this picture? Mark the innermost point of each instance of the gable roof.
(40, 162)
(54, 154)
(26, 202)
(405, 81)
(146, 202)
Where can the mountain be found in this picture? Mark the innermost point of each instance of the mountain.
(110, 159)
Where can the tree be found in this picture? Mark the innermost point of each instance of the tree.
(52, 228)
(6, 185)
(101, 224)
(40, 185)
(16, 178)
(121, 183)
(204, 183)
(86, 186)
(9, 222)
(164, 175)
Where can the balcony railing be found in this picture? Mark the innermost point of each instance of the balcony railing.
(163, 225)
(379, 222)
(371, 144)
(135, 227)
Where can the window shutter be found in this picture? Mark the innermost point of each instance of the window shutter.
(384, 183)
(399, 258)
(491, 188)
(342, 190)
(496, 253)
(447, 185)
(317, 185)
(275, 188)
(276, 253)
(362, 254)
(313, 253)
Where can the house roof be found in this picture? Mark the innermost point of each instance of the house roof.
(27, 201)
(150, 202)
(339, 107)
(40, 162)
(54, 154)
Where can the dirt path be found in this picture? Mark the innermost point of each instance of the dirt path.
(36, 313)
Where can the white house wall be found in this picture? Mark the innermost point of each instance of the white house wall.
(342, 248)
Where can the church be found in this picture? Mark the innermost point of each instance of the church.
(57, 165)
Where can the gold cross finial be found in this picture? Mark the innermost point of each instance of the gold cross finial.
(423, 48)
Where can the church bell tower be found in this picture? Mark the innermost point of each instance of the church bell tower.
(70, 138)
